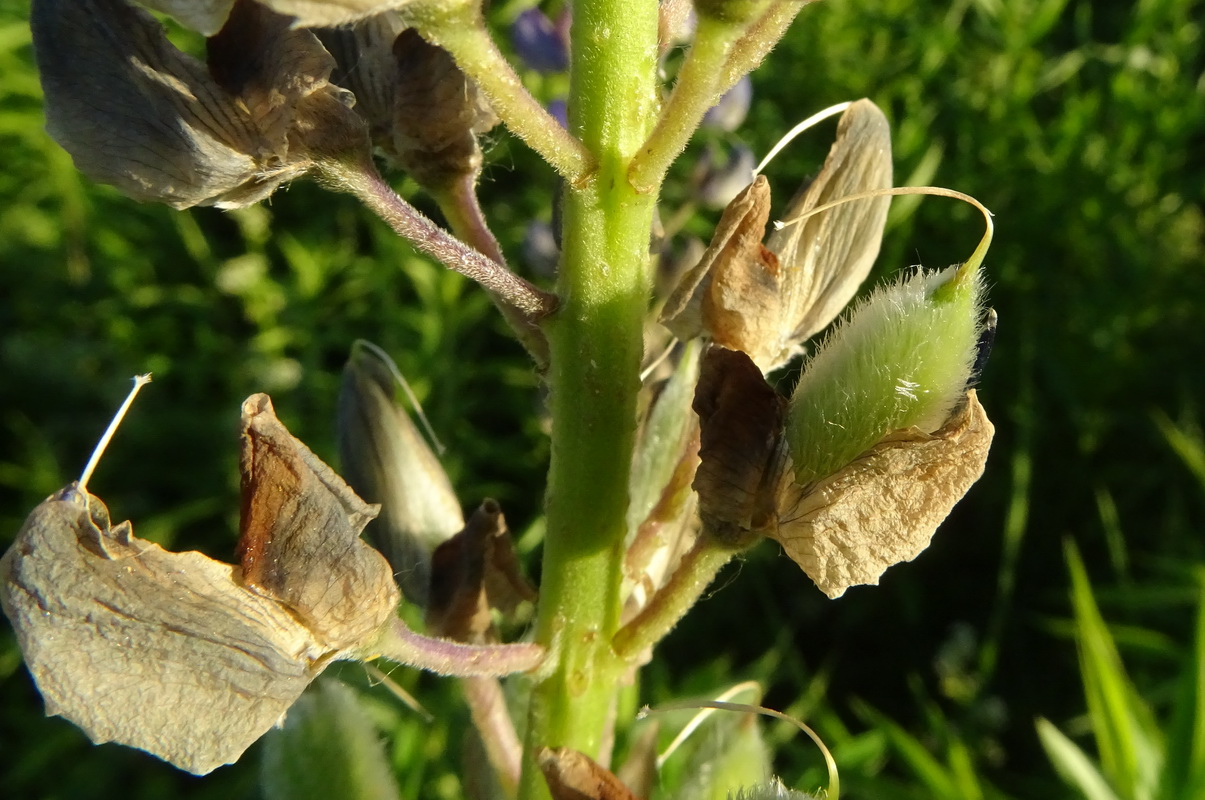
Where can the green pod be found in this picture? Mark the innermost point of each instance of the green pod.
(902, 359)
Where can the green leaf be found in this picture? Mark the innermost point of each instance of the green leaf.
(326, 749)
(1073, 763)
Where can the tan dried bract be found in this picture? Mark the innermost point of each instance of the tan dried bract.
(300, 541)
(883, 508)
(473, 573)
(162, 651)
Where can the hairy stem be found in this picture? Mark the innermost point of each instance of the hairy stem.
(696, 90)
(491, 717)
(671, 602)
(458, 202)
(370, 188)
(446, 657)
(595, 341)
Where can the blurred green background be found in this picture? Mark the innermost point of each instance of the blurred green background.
(1081, 125)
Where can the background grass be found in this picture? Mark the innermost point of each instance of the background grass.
(1079, 124)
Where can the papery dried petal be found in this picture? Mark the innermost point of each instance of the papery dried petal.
(163, 651)
(365, 65)
(132, 110)
(300, 536)
(884, 507)
(438, 114)
(826, 257)
(741, 424)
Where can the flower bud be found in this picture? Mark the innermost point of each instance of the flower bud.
(901, 360)
(386, 461)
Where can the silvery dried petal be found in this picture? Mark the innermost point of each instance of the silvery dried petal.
(132, 110)
(203, 16)
(884, 507)
(366, 66)
(135, 112)
(826, 257)
(329, 13)
(387, 461)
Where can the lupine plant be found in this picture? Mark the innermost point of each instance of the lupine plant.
(671, 451)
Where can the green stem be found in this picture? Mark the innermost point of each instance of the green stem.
(596, 345)
(462, 33)
(671, 602)
(696, 90)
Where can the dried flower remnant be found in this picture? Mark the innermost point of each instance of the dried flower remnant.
(386, 460)
(847, 528)
(159, 125)
(768, 299)
(573, 775)
(884, 507)
(178, 654)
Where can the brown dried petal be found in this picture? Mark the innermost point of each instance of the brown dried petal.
(826, 257)
(572, 775)
(156, 650)
(300, 540)
(735, 244)
(883, 508)
(473, 572)
(438, 114)
(741, 424)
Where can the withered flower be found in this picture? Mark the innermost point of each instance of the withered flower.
(137, 113)
(768, 299)
(180, 655)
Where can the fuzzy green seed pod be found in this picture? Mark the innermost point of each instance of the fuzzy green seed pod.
(902, 359)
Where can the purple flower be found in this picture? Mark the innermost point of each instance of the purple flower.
(541, 44)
